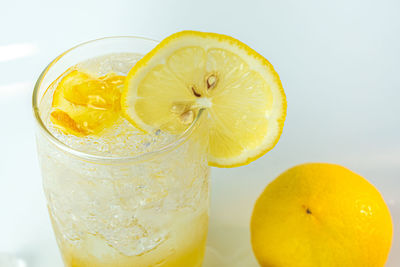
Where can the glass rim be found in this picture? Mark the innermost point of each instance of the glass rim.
(93, 157)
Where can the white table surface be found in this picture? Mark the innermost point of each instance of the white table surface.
(339, 62)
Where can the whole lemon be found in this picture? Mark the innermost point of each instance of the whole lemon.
(320, 214)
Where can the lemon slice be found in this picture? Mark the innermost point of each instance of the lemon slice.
(85, 105)
(243, 98)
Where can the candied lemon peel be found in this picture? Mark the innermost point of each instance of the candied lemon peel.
(84, 104)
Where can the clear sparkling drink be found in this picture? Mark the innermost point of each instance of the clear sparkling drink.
(120, 197)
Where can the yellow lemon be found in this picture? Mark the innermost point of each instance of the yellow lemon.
(320, 215)
(239, 91)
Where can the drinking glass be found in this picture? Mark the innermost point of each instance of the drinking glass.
(149, 209)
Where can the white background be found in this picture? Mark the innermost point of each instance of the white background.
(339, 62)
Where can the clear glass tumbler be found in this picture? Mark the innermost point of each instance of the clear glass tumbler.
(146, 210)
